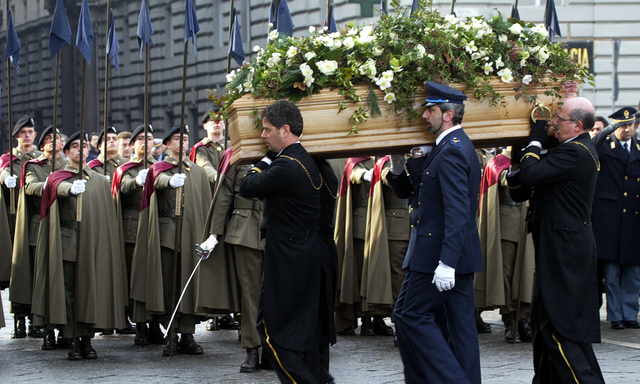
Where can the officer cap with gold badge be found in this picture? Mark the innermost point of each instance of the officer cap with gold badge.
(624, 116)
(139, 130)
(43, 135)
(74, 137)
(173, 131)
(25, 121)
(440, 93)
(109, 130)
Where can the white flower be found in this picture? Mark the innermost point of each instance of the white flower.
(256, 48)
(231, 76)
(308, 81)
(377, 51)
(421, 51)
(274, 59)
(327, 41)
(273, 34)
(396, 68)
(366, 35)
(480, 33)
(516, 29)
(471, 47)
(337, 44)
(306, 70)
(488, 68)
(505, 75)
(335, 35)
(430, 56)
(328, 67)
(312, 29)
(451, 19)
(503, 38)
(541, 30)
(292, 51)
(368, 69)
(309, 55)
(475, 55)
(383, 83)
(352, 31)
(542, 54)
(499, 63)
(387, 75)
(527, 79)
(389, 97)
(523, 62)
(348, 42)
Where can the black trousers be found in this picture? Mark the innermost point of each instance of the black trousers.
(557, 359)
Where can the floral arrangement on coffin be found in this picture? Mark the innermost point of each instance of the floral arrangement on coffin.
(402, 50)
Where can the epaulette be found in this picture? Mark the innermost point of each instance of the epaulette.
(529, 154)
(455, 142)
(255, 170)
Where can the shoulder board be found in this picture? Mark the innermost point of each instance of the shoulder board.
(455, 142)
(613, 145)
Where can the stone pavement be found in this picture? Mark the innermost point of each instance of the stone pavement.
(354, 359)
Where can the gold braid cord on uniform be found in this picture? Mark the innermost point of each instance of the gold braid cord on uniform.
(593, 157)
(309, 176)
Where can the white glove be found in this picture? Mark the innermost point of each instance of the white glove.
(142, 177)
(367, 175)
(45, 183)
(444, 277)
(10, 181)
(421, 151)
(177, 180)
(78, 187)
(108, 178)
(210, 243)
(397, 164)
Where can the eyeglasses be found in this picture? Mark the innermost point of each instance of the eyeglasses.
(563, 119)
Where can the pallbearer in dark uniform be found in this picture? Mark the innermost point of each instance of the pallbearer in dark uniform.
(126, 188)
(444, 249)
(295, 313)
(32, 181)
(153, 270)
(616, 223)
(564, 308)
(100, 297)
(110, 148)
(208, 151)
(24, 132)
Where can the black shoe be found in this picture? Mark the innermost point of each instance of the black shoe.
(481, 326)
(250, 364)
(155, 335)
(141, 335)
(524, 330)
(188, 345)
(63, 342)
(381, 328)
(510, 328)
(106, 332)
(171, 349)
(37, 332)
(49, 341)
(74, 351)
(86, 349)
(617, 325)
(265, 363)
(366, 329)
(130, 329)
(631, 324)
(227, 322)
(20, 329)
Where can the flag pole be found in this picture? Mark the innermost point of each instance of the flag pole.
(146, 104)
(229, 39)
(326, 24)
(453, 3)
(106, 91)
(12, 194)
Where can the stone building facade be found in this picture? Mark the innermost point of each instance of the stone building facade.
(33, 86)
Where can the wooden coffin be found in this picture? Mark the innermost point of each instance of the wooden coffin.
(326, 131)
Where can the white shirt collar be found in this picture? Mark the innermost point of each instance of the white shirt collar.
(446, 132)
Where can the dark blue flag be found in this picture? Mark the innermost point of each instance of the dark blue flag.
(272, 15)
(84, 38)
(285, 22)
(514, 12)
(13, 44)
(112, 44)
(60, 30)
(383, 6)
(191, 26)
(235, 43)
(145, 30)
(551, 20)
(414, 6)
(333, 27)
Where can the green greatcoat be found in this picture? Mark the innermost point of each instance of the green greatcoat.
(35, 173)
(6, 230)
(207, 155)
(113, 163)
(101, 289)
(157, 226)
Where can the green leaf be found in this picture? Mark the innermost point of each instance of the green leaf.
(373, 103)
(290, 78)
(334, 55)
(240, 78)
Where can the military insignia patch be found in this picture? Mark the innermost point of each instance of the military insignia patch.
(613, 145)
(626, 114)
(455, 141)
